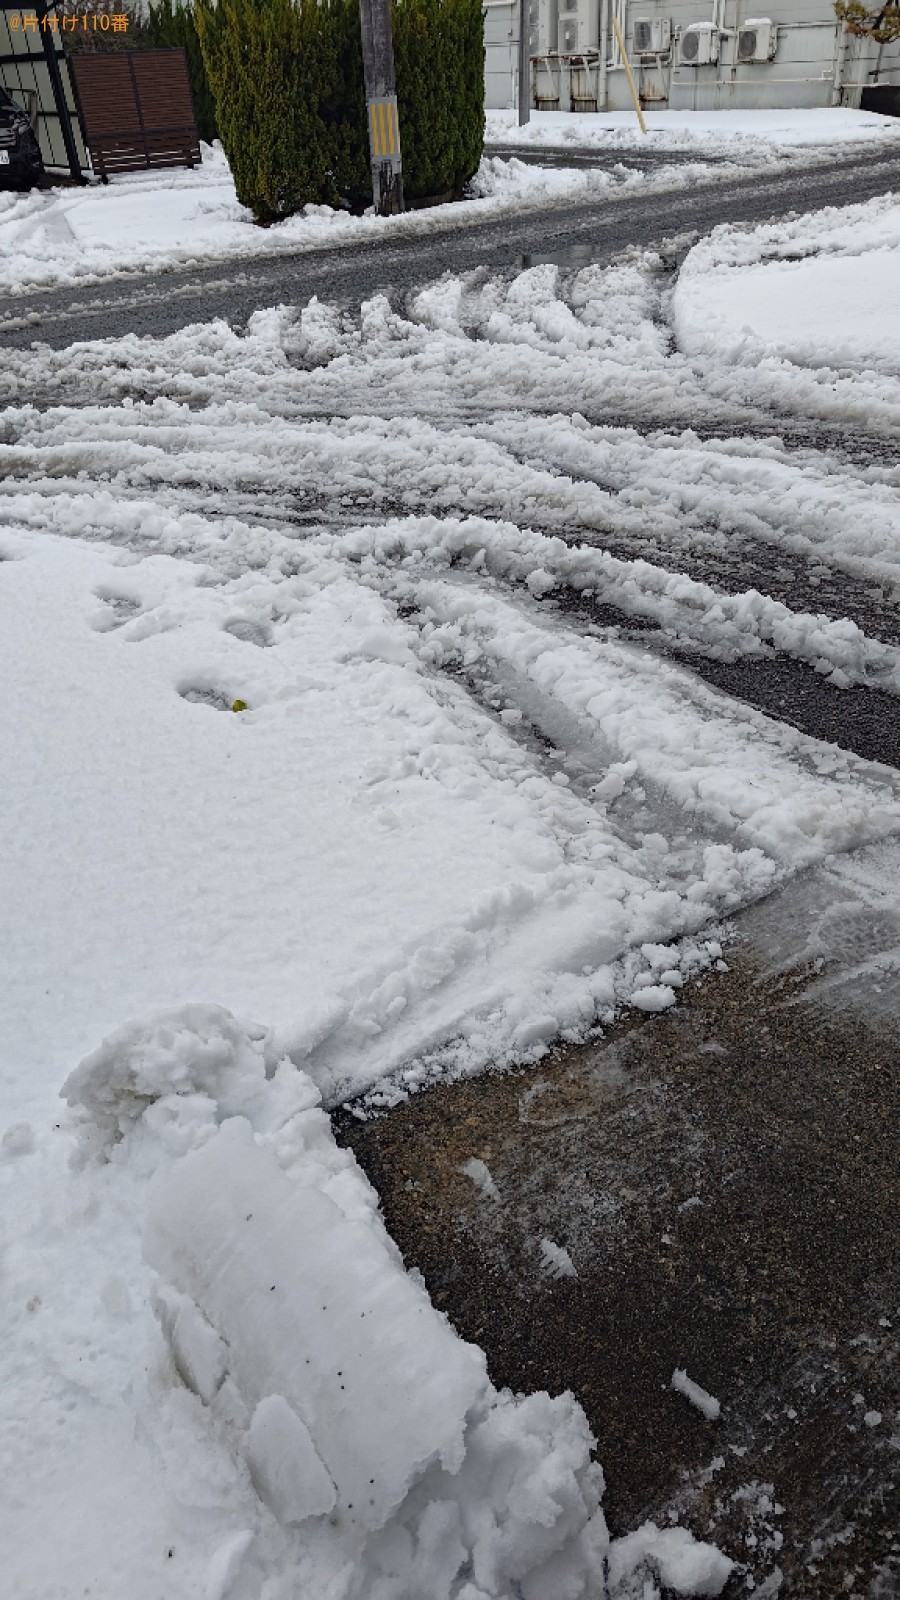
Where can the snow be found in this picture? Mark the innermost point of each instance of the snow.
(681, 1566)
(277, 1451)
(812, 292)
(481, 1176)
(145, 222)
(675, 129)
(654, 997)
(556, 1261)
(141, 223)
(701, 1398)
(357, 524)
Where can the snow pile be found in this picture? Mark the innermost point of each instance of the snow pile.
(815, 291)
(347, 1441)
(508, 180)
(199, 1051)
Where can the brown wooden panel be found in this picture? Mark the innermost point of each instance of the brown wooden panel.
(137, 110)
(106, 93)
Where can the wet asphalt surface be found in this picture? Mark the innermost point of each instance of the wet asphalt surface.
(860, 718)
(724, 1176)
(633, 160)
(603, 227)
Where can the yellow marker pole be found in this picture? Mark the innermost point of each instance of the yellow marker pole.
(627, 65)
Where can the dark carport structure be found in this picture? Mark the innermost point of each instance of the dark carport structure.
(35, 71)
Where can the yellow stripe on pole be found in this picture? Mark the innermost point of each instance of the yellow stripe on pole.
(384, 127)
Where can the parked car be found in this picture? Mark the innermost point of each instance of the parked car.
(20, 157)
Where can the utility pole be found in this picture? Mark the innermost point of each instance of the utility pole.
(524, 62)
(381, 106)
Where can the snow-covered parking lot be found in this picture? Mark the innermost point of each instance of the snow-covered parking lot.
(315, 790)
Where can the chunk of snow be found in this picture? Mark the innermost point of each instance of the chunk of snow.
(653, 997)
(698, 1397)
(610, 787)
(258, 1254)
(872, 1419)
(197, 1049)
(198, 1352)
(556, 1260)
(680, 1563)
(540, 582)
(287, 1471)
(480, 1174)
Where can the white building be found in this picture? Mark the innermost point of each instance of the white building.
(688, 55)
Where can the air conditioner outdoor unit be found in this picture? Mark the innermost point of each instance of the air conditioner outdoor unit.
(542, 26)
(578, 26)
(757, 39)
(568, 32)
(652, 36)
(699, 45)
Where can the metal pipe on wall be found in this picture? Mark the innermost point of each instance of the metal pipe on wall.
(524, 63)
(603, 67)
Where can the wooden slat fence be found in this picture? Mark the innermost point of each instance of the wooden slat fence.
(136, 109)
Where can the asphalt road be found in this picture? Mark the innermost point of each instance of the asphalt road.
(598, 228)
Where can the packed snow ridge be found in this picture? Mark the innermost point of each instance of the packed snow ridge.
(356, 1440)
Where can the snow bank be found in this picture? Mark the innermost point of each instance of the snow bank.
(813, 291)
(371, 1458)
(676, 129)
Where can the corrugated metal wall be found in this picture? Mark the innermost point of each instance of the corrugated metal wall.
(815, 63)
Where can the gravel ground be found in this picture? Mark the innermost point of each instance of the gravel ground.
(724, 1178)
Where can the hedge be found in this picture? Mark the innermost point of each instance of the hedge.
(287, 78)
